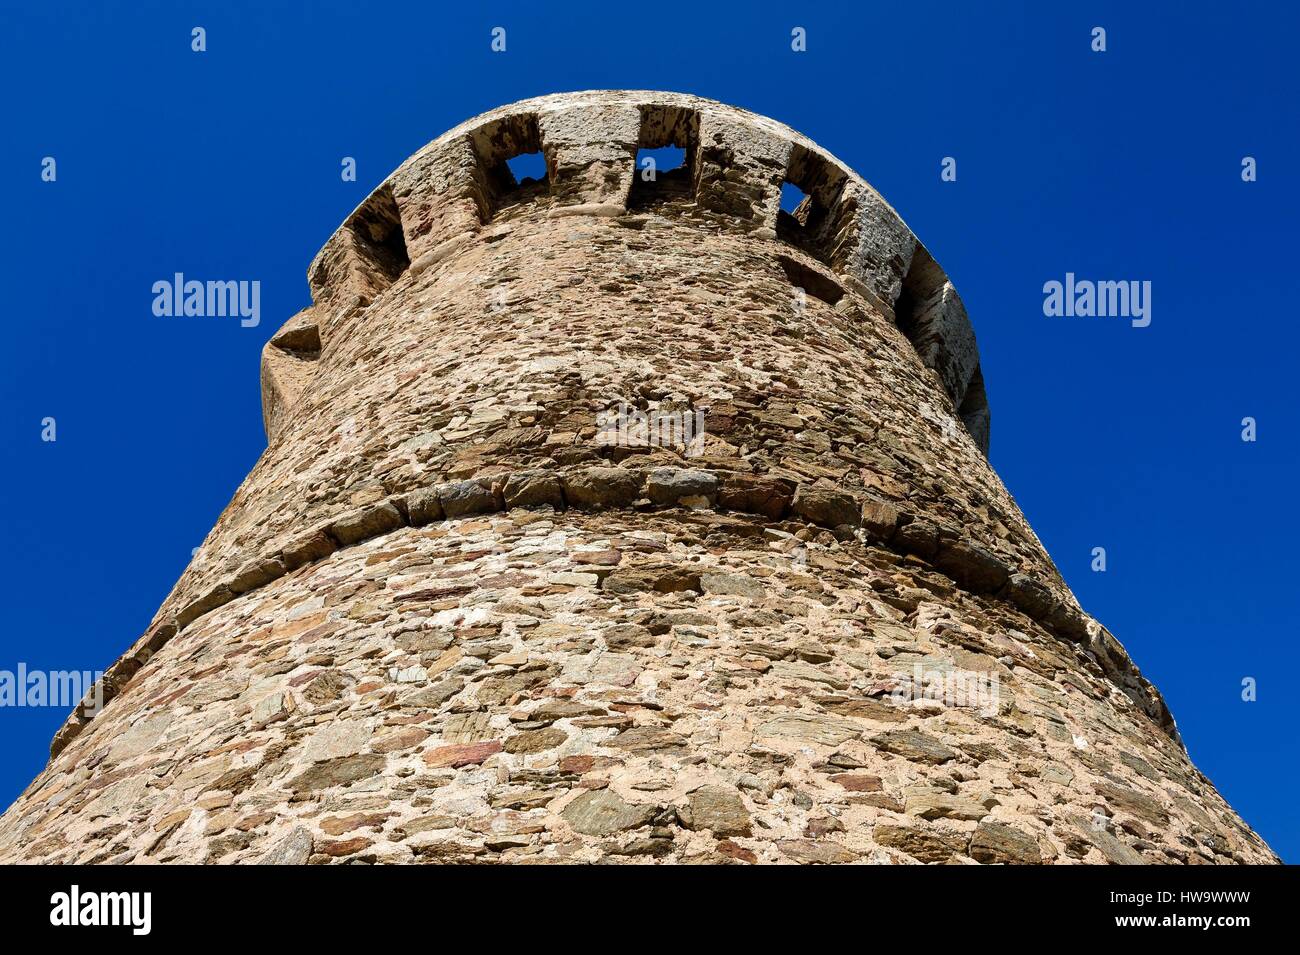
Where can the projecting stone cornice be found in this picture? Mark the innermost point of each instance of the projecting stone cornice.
(859, 521)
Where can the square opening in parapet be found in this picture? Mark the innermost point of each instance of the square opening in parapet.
(665, 156)
(661, 175)
(527, 168)
(800, 218)
(381, 243)
(512, 164)
(812, 215)
(519, 179)
(792, 197)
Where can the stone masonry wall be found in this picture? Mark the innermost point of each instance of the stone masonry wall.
(440, 620)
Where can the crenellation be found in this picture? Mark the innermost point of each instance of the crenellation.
(288, 364)
(591, 153)
(884, 245)
(666, 124)
(442, 196)
(362, 259)
(823, 222)
(493, 184)
(737, 165)
(740, 169)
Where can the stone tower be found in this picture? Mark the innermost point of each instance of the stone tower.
(617, 518)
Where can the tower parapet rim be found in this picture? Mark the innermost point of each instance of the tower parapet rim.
(448, 193)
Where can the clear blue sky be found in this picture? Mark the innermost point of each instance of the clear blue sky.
(1122, 165)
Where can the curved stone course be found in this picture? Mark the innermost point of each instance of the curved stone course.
(863, 522)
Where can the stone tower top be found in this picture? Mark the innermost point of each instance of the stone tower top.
(446, 609)
(447, 194)
(817, 629)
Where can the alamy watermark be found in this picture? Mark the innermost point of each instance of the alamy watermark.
(628, 427)
(75, 907)
(1084, 298)
(61, 688)
(951, 687)
(180, 297)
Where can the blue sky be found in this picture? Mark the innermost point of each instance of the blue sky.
(1117, 165)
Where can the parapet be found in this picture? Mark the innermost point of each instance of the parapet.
(450, 192)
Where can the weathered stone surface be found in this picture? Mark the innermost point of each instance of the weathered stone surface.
(307, 548)
(823, 730)
(719, 809)
(756, 495)
(1131, 800)
(816, 852)
(664, 580)
(858, 782)
(936, 804)
(535, 741)
(447, 619)
(669, 486)
(399, 740)
(918, 537)
(337, 772)
(914, 745)
(648, 739)
(325, 686)
(256, 573)
(462, 754)
(423, 506)
(1112, 849)
(880, 518)
(738, 585)
(366, 523)
(604, 813)
(996, 842)
(293, 849)
(345, 847)
(827, 508)
(1029, 595)
(926, 844)
(533, 489)
(462, 498)
(598, 488)
(867, 709)
(972, 566)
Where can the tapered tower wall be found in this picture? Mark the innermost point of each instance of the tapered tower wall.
(459, 612)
